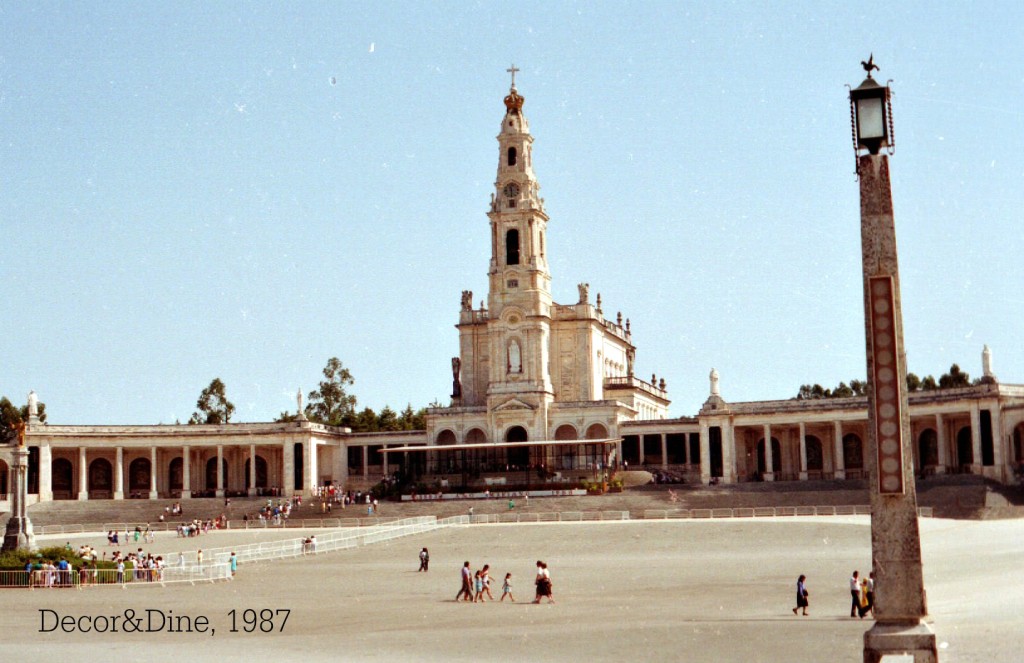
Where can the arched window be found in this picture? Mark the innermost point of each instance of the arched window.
(511, 156)
(512, 247)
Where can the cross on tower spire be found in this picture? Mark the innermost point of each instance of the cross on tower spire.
(512, 70)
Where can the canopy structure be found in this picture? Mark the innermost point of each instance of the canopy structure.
(499, 445)
(520, 463)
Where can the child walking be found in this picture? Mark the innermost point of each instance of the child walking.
(478, 588)
(506, 588)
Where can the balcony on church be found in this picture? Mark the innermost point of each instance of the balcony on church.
(631, 383)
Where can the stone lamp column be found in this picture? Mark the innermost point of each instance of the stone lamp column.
(900, 605)
(19, 534)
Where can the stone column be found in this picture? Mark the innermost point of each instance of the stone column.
(769, 461)
(975, 438)
(728, 453)
(895, 538)
(997, 444)
(45, 473)
(803, 451)
(19, 534)
(220, 470)
(339, 465)
(287, 468)
(83, 475)
(252, 470)
(943, 444)
(640, 451)
(664, 452)
(186, 472)
(838, 462)
(366, 462)
(705, 454)
(309, 468)
(152, 474)
(119, 474)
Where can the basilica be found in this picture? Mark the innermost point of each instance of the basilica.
(544, 396)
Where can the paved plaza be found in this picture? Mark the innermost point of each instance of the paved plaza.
(668, 590)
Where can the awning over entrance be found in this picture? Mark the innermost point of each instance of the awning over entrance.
(500, 445)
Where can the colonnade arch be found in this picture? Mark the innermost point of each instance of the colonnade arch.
(762, 461)
(261, 472)
(517, 457)
(211, 472)
(853, 452)
(964, 447)
(62, 479)
(927, 449)
(815, 453)
(139, 473)
(175, 473)
(566, 432)
(101, 476)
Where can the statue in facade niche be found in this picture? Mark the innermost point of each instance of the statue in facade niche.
(515, 360)
(584, 289)
(456, 382)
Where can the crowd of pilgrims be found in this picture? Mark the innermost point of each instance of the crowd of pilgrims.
(50, 574)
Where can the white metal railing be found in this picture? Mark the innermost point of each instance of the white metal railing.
(770, 512)
(289, 523)
(323, 541)
(79, 579)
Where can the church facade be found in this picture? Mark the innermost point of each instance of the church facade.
(538, 387)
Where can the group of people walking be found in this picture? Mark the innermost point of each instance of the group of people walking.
(862, 594)
(476, 587)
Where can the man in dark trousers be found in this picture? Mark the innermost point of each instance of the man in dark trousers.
(467, 583)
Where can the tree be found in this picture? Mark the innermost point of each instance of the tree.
(331, 404)
(412, 420)
(214, 406)
(365, 421)
(929, 384)
(842, 391)
(387, 420)
(10, 414)
(913, 382)
(955, 378)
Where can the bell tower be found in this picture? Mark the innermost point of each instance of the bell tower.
(519, 299)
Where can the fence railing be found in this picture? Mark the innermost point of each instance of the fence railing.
(322, 542)
(289, 523)
(770, 512)
(79, 579)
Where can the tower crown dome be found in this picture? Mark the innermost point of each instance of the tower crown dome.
(514, 102)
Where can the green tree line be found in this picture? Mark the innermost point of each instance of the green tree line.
(951, 380)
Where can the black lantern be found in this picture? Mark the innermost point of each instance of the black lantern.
(871, 113)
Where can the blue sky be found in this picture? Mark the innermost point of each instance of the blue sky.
(201, 190)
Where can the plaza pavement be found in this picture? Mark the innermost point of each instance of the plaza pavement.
(630, 591)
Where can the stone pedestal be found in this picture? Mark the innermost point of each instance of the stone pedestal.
(768, 476)
(915, 641)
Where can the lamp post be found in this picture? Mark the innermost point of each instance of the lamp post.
(900, 605)
(19, 534)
